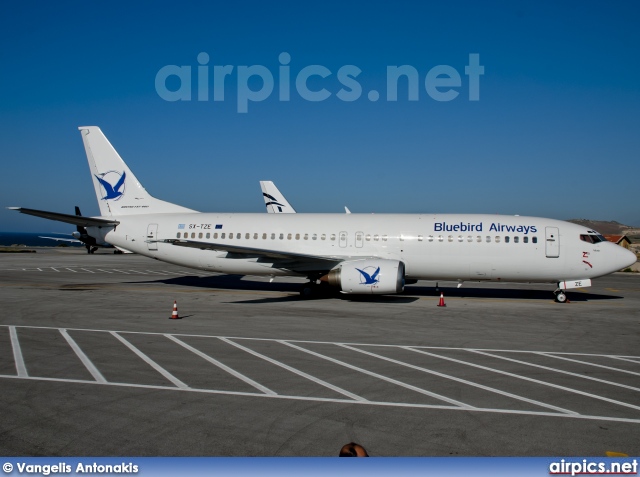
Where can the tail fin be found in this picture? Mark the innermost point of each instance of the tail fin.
(274, 200)
(118, 190)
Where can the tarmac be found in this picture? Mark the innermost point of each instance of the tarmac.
(91, 365)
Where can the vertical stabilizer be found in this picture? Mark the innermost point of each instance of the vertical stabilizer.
(274, 200)
(117, 189)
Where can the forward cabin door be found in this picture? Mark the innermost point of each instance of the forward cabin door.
(552, 242)
(152, 235)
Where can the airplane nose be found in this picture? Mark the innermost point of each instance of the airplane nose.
(622, 258)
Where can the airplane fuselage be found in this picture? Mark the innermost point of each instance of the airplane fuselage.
(432, 246)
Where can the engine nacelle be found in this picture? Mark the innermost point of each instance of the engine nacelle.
(370, 276)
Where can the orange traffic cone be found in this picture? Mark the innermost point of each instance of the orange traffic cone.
(174, 315)
(441, 302)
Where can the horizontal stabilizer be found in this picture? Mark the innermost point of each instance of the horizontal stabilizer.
(69, 219)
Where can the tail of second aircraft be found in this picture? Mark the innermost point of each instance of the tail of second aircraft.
(118, 190)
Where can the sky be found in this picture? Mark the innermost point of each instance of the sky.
(546, 123)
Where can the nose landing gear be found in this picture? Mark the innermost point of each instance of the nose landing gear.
(561, 297)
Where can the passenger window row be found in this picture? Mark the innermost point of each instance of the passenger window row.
(368, 237)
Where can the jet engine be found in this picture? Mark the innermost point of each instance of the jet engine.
(370, 276)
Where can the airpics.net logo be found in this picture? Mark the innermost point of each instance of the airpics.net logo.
(256, 83)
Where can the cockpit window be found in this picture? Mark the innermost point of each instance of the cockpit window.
(592, 237)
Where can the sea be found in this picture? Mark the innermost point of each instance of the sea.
(35, 239)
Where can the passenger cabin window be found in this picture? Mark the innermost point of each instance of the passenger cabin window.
(333, 236)
(314, 237)
(193, 235)
(375, 238)
(215, 235)
(323, 237)
(255, 236)
(497, 239)
(525, 239)
(534, 239)
(516, 239)
(178, 235)
(200, 235)
(306, 236)
(488, 239)
(430, 238)
(281, 236)
(469, 238)
(264, 236)
(222, 235)
(506, 239)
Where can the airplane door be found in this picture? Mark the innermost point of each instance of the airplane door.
(343, 239)
(552, 242)
(152, 234)
(359, 239)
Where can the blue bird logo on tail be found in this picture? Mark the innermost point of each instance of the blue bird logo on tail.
(112, 192)
(369, 279)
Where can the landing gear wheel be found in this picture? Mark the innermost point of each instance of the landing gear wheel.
(561, 297)
(307, 291)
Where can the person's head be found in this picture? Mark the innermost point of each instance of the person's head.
(353, 450)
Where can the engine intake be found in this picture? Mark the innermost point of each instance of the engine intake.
(370, 276)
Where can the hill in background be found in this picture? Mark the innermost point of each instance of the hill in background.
(608, 228)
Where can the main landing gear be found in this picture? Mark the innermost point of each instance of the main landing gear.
(313, 289)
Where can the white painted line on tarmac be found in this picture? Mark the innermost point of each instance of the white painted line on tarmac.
(561, 371)
(97, 375)
(297, 371)
(333, 400)
(583, 393)
(222, 366)
(71, 270)
(17, 353)
(87, 270)
(150, 362)
(464, 381)
(120, 271)
(383, 378)
(158, 273)
(101, 270)
(636, 361)
(55, 269)
(590, 364)
(137, 272)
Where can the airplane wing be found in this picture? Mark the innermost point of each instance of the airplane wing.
(58, 239)
(328, 260)
(69, 219)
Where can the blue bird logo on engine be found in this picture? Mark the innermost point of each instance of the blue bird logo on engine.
(369, 279)
(112, 192)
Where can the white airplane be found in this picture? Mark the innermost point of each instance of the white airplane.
(358, 253)
(275, 202)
